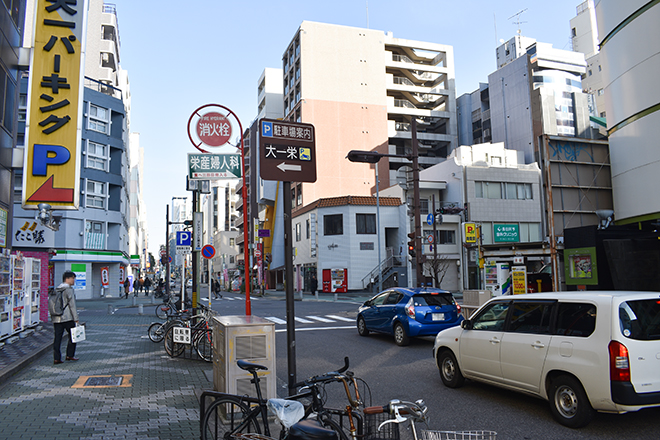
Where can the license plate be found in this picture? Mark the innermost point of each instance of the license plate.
(438, 316)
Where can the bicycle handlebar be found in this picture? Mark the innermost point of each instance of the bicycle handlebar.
(327, 377)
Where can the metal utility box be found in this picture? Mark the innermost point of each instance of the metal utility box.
(247, 338)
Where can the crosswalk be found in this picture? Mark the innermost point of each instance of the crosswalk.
(311, 319)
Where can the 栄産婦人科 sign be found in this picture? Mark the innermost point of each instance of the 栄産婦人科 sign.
(214, 166)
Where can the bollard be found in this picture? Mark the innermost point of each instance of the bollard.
(301, 295)
(141, 309)
(111, 310)
(335, 297)
(153, 299)
(134, 300)
(316, 294)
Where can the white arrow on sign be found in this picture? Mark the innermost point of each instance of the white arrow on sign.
(288, 167)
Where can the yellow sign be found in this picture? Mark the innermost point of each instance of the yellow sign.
(470, 232)
(519, 278)
(52, 160)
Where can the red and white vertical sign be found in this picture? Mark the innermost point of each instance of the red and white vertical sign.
(105, 276)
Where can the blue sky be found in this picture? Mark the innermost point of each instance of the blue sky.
(182, 55)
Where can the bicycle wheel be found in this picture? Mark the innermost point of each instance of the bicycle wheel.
(342, 434)
(204, 344)
(173, 349)
(156, 331)
(162, 311)
(226, 417)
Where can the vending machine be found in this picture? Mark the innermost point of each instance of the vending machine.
(32, 290)
(18, 292)
(497, 278)
(335, 280)
(5, 295)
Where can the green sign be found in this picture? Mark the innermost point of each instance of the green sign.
(507, 233)
(214, 166)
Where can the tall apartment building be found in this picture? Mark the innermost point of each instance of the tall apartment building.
(361, 88)
(584, 39)
(11, 33)
(98, 234)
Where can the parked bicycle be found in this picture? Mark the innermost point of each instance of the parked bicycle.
(230, 415)
(170, 306)
(201, 335)
(158, 330)
(401, 412)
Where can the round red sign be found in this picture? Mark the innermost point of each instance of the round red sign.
(213, 129)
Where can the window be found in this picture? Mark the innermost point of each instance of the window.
(97, 156)
(393, 298)
(307, 229)
(503, 190)
(95, 195)
(531, 317)
(434, 299)
(333, 224)
(94, 235)
(365, 223)
(492, 318)
(423, 206)
(445, 237)
(299, 194)
(99, 118)
(298, 231)
(231, 259)
(640, 319)
(22, 107)
(231, 242)
(575, 319)
(379, 300)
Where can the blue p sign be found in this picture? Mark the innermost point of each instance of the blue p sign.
(267, 129)
(42, 157)
(183, 238)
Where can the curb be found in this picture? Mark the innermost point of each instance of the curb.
(13, 368)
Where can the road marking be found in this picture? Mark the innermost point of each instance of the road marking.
(340, 318)
(275, 320)
(303, 320)
(318, 318)
(306, 329)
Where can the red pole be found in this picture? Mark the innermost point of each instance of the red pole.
(246, 244)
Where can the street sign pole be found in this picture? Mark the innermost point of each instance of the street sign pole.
(167, 250)
(288, 282)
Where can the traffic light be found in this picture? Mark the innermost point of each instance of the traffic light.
(411, 244)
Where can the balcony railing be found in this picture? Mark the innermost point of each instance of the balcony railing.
(403, 81)
(402, 126)
(102, 87)
(403, 103)
(401, 59)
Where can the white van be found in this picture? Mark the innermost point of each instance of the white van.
(581, 351)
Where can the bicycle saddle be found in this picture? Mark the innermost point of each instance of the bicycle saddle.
(247, 366)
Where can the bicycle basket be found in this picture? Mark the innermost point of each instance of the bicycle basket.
(458, 435)
(387, 432)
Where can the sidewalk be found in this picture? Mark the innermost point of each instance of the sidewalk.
(123, 387)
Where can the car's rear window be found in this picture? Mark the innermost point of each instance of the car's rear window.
(439, 299)
(640, 319)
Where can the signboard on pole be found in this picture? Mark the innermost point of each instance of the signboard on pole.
(470, 232)
(183, 242)
(287, 151)
(519, 278)
(51, 170)
(214, 166)
(198, 230)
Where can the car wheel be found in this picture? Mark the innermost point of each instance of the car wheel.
(569, 403)
(400, 336)
(450, 372)
(362, 327)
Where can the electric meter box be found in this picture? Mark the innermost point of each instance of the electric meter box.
(247, 338)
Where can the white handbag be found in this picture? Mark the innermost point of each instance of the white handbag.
(78, 334)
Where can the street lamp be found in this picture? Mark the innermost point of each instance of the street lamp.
(374, 157)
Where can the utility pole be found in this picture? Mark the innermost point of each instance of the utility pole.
(418, 224)
(167, 250)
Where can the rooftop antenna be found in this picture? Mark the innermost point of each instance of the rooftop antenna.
(518, 22)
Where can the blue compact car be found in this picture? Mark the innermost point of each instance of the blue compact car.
(407, 313)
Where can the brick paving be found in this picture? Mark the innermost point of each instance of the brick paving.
(40, 402)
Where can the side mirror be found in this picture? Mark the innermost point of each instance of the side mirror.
(466, 324)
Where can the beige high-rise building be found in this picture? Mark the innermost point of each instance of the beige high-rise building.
(360, 88)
